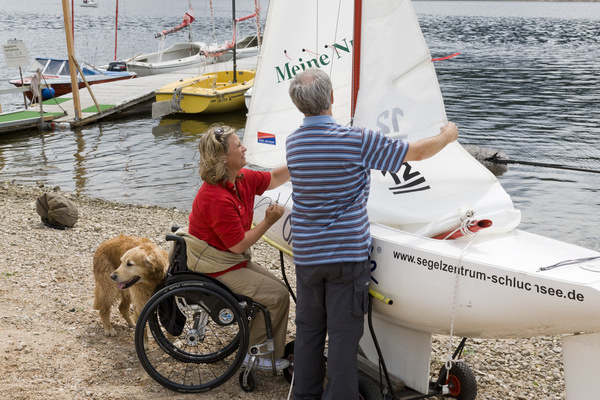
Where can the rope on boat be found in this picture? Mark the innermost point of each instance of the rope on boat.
(445, 58)
(291, 387)
(568, 262)
(496, 161)
(463, 227)
(449, 360)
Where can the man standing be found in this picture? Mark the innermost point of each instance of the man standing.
(330, 170)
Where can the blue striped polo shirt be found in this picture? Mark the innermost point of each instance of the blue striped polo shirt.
(330, 169)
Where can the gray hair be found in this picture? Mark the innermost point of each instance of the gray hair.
(310, 91)
(213, 147)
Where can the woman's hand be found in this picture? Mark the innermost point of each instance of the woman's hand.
(273, 213)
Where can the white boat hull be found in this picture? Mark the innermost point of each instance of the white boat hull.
(176, 57)
(490, 286)
(145, 69)
(184, 55)
(494, 291)
(500, 290)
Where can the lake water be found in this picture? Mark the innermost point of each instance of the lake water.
(527, 82)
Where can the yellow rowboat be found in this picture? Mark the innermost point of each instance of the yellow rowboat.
(215, 92)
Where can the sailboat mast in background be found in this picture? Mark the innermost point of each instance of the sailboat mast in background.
(356, 55)
(233, 21)
(71, 52)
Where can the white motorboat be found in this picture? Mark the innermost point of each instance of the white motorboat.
(175, 57)
(89, 3)
(55, 74)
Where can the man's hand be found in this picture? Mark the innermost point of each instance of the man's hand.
(450, 131)
(428, 147)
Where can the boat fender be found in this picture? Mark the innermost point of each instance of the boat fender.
(48, 93)
(59, 126)
(468, 227)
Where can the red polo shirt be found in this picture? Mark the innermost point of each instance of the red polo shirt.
(221, 217)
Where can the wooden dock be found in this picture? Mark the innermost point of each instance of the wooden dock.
(112, 98)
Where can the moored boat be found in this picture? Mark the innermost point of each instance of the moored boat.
(55, 75)
(178, 56)
(247, 47)
(216, 92)
(89, 3)
(207, 93)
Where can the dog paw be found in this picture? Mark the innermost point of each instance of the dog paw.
(110, 332)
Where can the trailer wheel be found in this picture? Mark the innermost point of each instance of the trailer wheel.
(461, 381)
(368, 388)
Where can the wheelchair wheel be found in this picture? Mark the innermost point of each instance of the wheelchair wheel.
(191, 336)
(249, 382)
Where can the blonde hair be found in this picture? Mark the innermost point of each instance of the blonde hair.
(213, 147)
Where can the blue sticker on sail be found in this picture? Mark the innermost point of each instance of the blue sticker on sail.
(266, 138)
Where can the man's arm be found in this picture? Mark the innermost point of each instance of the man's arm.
(428, 147)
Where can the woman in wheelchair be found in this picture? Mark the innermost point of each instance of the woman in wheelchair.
(222, 216)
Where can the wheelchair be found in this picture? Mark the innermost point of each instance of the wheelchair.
(193, 334)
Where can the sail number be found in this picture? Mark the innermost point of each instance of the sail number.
(390, 118)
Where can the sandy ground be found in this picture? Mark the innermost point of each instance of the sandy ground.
(51, 341)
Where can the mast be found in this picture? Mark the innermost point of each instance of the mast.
(234, 41)
(356, 55)
(190, 35)
(71, 58)
(116, 27)
(73, 21)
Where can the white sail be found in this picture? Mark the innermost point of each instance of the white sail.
(298, 35)
(399, 94)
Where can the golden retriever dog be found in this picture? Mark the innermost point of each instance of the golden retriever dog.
(128, 269)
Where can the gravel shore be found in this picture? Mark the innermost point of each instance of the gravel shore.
(53, 347)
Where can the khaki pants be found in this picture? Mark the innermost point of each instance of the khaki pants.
(265, 288)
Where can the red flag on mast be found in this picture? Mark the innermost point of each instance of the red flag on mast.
(188, 18)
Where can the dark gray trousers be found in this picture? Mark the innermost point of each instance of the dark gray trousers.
(332, 300)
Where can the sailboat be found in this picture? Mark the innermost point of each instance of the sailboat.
(89, 3)
(55, 73)
(499, 282)
(178, 56)
(212, 92)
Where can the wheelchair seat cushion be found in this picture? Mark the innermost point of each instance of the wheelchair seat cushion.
(202, 257)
